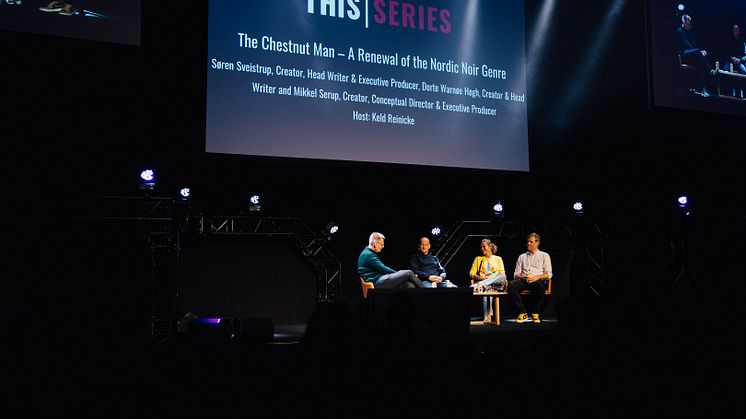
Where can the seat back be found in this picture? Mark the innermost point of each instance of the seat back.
(366, 286)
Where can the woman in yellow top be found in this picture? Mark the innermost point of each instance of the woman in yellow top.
(488, 273)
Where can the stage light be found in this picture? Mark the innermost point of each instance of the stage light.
(331, 228)
(255, 203)
(681, 7)
(498, 208)
(147, 180)
(684, 204)
(577, 207)
(185, 193)
(436, 231)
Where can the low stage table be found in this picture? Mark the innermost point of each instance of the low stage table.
(494, 318)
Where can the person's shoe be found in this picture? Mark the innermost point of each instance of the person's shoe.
(704, 92)
(53, 6)
(67, 10)
(522, 318)
(535, 318)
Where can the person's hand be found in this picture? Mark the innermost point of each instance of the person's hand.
(435, 278)
(530, 278)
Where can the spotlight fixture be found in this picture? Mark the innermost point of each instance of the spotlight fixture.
(147, 180)
(331, 228)
(255, 203)
(577, 207)
(436, 231)
(684, 204)
(185, 193)
(498, 208)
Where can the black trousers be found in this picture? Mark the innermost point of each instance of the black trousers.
(535, 299)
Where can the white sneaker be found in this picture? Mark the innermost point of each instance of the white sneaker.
(53, 6)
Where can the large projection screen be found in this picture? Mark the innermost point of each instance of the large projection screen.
(433, 83)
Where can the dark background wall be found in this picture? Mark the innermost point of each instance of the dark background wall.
(82, 117)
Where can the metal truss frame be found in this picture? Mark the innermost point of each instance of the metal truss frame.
(162, 240)
(455, 237)
(312, 244)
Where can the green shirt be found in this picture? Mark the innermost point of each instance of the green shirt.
(370, 267)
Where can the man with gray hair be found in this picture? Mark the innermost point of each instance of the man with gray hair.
(691, 54)
(371, 269)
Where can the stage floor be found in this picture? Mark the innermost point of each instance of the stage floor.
(478, 331)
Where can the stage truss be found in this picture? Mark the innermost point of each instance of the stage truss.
(165, 222)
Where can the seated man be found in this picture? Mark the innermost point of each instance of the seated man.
(735, 62)
(691, 54)
(427, 267)
(371, 269)
(533, 270)
(736, 52)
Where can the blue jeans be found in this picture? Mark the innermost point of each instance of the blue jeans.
(497, 280)
(400, 279)
(444, 284)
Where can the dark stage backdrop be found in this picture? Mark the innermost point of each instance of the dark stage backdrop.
(246, 278)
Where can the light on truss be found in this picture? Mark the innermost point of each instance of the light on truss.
(498, 208)
(255, 203)
(577, 207)
(147, 179)
(331, 228)
(684, 204)
(185, 193)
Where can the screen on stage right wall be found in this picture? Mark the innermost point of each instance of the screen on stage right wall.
(698, 55)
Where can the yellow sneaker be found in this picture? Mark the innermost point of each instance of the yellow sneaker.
(523, 317)
(535, 318)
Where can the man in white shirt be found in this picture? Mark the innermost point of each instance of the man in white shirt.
(533, 270)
